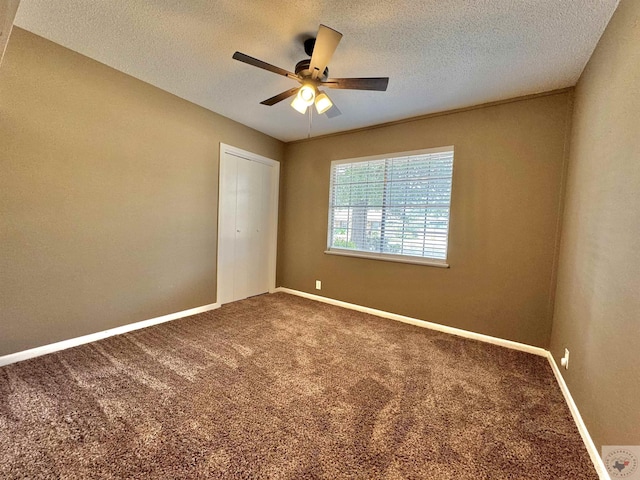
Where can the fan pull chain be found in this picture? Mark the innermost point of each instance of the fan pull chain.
(310, 122)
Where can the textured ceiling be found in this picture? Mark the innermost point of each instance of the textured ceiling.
(440, 55)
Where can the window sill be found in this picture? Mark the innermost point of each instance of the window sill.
(390, 258)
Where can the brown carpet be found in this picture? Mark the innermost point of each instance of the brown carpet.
(282, 387)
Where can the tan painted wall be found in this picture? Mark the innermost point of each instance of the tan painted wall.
(108, 196)
(508, 167)
(598, 297)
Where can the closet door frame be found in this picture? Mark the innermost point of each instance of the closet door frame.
(272, 236)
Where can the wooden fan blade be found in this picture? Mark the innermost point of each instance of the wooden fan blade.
(377, 83)
(326, 43)
(264, 65)
(281, 96)
(333, 112)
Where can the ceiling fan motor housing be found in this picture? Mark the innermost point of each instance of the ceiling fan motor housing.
(303, 70)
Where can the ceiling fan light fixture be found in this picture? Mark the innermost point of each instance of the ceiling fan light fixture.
(307, 94)
(304, 98)
(323, 103)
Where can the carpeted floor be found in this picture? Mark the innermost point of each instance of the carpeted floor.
(281, 387)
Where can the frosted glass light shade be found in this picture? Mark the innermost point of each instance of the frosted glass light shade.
(307, 94)
(299, 104)
(323, 103)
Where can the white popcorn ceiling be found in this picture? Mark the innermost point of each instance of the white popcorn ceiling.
(439, 55)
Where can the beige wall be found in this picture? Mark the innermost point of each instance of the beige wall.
(108, 196)
(598, 297)
(507, 181)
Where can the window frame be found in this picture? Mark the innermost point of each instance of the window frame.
(390, 257)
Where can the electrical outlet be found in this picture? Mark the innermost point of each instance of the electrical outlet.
(318, 285)
(564, 361)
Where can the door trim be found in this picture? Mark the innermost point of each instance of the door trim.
(273, 220)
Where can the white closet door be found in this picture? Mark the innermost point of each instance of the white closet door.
(227, 227)
(253, 223)
(246, 227)
(252, 228)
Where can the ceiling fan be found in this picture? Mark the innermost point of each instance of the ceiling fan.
(313, 74)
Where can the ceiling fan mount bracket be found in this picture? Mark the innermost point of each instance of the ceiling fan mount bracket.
(309, 43)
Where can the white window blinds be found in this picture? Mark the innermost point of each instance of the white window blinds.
(392, 206)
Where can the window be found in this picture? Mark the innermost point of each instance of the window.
(392, 207)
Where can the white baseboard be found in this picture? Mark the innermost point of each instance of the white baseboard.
(74, 342)
(582, 428)
(523, 347)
